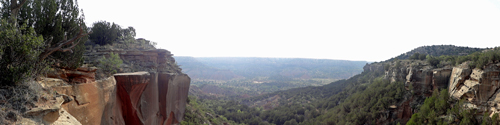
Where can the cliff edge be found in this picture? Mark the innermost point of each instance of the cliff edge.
(149, 89)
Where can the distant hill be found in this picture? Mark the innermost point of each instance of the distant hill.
(198, 70)
(438, 50)
(225, 68)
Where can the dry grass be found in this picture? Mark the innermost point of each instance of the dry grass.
(16, 100)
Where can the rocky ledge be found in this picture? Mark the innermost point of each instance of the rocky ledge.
(155, 95)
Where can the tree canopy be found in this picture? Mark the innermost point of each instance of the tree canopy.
(38, 32)
(108, 33)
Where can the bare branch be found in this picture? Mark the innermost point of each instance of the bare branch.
(59, 45)
(17, 6)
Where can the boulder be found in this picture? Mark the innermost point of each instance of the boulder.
(480, 86)
(458, 76)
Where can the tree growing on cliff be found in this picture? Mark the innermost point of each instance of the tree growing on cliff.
(433, 61)
(104, 32)
(108, 33)
(18, 53)
(58, 21)
(57, 24)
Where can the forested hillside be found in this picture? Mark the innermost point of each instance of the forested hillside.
(438, 50)
(398, 91)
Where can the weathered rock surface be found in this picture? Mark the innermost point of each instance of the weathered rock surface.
(80, 75)
(148, 98)
(49, 112)
(458, 76)
(89, 98)
(156, 95)
(135, 57)
(419, 77)
(478, 86)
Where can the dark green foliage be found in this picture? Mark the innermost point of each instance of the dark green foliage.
(432, 60)
(418, 56)
(18, 53)
(437, 50)
(436, 109)
(198, 113)
(55, 20)
(386, 67)
(105, 33)
(479, 60)
(365, 104)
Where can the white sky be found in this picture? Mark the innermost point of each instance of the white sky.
(371, 30)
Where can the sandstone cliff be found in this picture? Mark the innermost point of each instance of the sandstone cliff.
(478, 86)
(155, 95)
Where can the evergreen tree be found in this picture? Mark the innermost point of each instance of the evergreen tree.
(58, 21)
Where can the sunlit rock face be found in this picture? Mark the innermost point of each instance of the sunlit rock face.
(89, 99)
(478, 86)
(155, 95)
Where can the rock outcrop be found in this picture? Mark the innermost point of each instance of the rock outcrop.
(478, 86)
(135, 58)
(156, 95)
(418, 76)
(148, 98)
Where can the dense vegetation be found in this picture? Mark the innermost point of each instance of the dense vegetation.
(39, 33)
(477, 59)
(365, 98)
(198, 113)
(300, 105)
(107, 33)
(235, 89)
(34, 36)
(438, 50)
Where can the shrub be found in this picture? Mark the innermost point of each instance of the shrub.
(432, 60)
(19, 51)
(110, 65)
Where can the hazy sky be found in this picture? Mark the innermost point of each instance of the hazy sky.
(371, 30)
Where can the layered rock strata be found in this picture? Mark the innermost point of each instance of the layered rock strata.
(156, 95)
(478, 86)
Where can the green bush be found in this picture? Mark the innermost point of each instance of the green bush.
(432, 60)
(19, 51)
(111, 64)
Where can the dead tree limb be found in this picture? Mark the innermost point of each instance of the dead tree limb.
(59, 46)
(14, 10)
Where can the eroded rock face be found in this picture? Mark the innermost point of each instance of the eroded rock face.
(133, 98)
(478, 86)
(420, 78)
(89, 99)
(458, 76)
(149, 98)
(136, 58)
